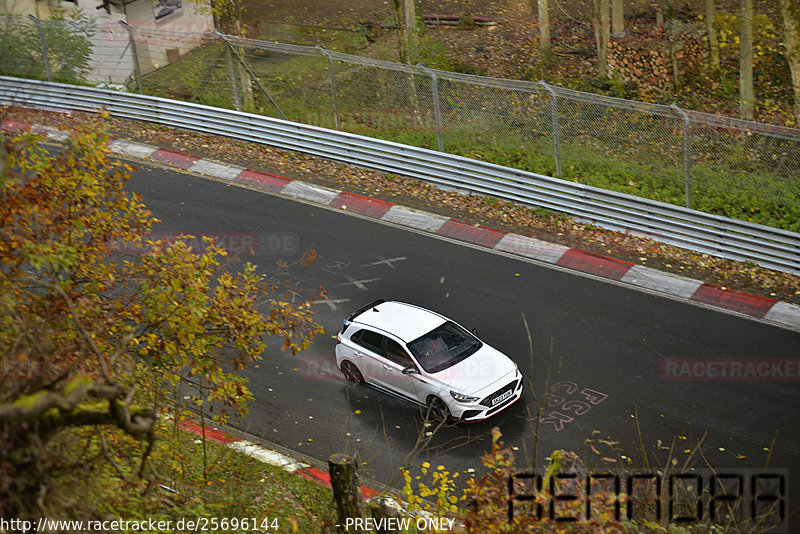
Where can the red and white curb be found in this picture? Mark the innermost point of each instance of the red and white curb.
(266, 455)
(781, 313)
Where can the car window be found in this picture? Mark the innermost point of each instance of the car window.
(397, 354)
(369, 340)
(443, 347)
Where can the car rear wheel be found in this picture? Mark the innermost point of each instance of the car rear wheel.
(438, 410)
(351, 373)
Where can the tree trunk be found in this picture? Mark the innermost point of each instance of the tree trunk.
(346, 491)
(675, 46)
(402, 34)
(545, 47)
(617, 18)
(713, 39)
(602, 34)
(410, 16)
(790, 12)
(746, 93)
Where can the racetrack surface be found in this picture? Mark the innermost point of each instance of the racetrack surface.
(597, 340)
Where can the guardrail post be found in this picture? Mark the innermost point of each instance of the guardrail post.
(235, 86)
(43, 44)
(436, 109)
(137, 72)
(687, 154)
(332, 78)
(556, 133)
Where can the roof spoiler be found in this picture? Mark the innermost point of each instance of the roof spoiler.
(365, 308)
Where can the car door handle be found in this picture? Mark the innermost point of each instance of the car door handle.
(359, 354)
(388, 368)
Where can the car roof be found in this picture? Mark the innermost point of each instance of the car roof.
(406, 321)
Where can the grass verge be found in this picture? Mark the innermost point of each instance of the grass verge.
(187, 479)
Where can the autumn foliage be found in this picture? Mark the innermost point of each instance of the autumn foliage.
(557, 499)
(91, 338)
(482, 505)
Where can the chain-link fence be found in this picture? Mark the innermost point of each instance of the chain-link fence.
(70, 51)
(721, 165)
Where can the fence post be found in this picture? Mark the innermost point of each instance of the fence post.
(436, 108)
(332, 78)
(556, 133)
(235, 86)
(137, 73)
(687, 155)
(43, 44)
(237, 56)
(346, 491)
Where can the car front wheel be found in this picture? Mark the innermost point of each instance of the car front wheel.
(351, 373)
(437, 409)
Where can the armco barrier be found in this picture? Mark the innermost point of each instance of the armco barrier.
(703, 232)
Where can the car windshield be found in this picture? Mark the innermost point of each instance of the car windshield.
(443, 347)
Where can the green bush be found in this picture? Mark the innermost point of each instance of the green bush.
(68, 44)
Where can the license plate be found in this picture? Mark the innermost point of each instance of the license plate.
(501, 398)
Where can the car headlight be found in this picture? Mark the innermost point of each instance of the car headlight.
(462, 398)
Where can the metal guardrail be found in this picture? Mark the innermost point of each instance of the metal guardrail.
(713, 234)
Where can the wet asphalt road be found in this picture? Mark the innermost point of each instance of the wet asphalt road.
(597, 345)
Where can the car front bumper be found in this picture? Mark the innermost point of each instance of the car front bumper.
(475, 411)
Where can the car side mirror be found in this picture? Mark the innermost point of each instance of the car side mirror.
(410, 370)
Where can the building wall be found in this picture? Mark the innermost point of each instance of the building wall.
(178, 32)
(112, 61)
(162, 30)
(37, 8)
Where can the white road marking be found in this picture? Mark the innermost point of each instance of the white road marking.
(331, 302)
(53, 133)
(310, 192)
(531, 248)
(661, 281)
(358, 283)
(389, 262)
(415, 219)
(785, 313)
(267, 456)
(218, 170)
(134, 150)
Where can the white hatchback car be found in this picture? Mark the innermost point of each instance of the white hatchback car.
(426, 358)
